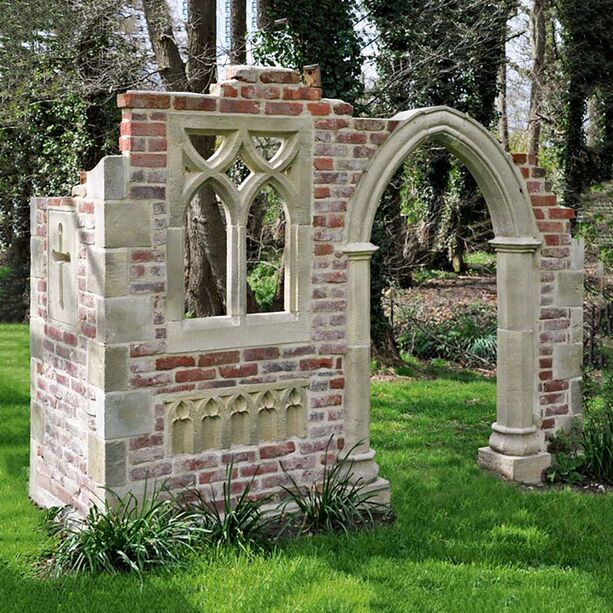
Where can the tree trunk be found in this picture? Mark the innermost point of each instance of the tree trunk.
(264, 15)
(538, 37)
(161, 35)
(202, 45)
(238, 50)
(501, 103)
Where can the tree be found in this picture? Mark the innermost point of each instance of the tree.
(205, 243)
(315, 33)
(238, 52)
(61, 64)
(538, 40)
(587, 62)
(440, 52)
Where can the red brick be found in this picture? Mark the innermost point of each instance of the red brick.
(199, 463)
(535, 186)
(194, 374)
(319, 108)
(321, 192)
(147, 440)
(147, 192)
(338, 383)
(549, 200)
(215, 359)
(378, 137)
(280, 76)
(237, 457)
(323, 163)
(315, 363)
(301, 93)
(170, 362)
(229, 105)
(561, 213)
(555, 227)
(130, 143)
(151, 472)
(331, 124)
(157, 144)
(244, 370)
(551, 240)
(556, 386)
(275, 451)
(195, 103)
(343, 108)
(323, 249)
(132, 128)
(143, 100)
(70, 339)
(148, 160)
(146, 255)
(354, 138)
(283, 108)
(363, 152)
(267, 93)
(261, 353)
(228, 90)
(520, 158)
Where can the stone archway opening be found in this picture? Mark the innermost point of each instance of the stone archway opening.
(517, 444)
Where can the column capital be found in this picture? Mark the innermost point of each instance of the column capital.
(515, 244)
(359, 251)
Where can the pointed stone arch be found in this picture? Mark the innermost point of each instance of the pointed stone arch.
(516, 447)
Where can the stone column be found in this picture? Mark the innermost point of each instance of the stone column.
(516, 444)
(357, 362)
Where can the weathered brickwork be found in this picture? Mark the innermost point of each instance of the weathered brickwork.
(105, 391)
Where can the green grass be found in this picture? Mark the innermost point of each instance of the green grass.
(463, 540)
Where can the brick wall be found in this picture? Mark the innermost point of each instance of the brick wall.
(79, 449)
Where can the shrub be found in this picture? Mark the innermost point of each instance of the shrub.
(469, 336)
(127, 535)
(587, 452)
(598, 429)
(243, 524)
(338, 504)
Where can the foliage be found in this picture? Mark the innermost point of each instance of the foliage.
(316, 33)
(468, 336)
(587, 63)
(587, 452)
(338, 504)
(241, 525)
(264, 281)
(125, 535)
(60, 65)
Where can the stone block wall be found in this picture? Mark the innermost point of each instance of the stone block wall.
(118, 398)
(560, 347)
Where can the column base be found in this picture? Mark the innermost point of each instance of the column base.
(381, 491)
(523, 469)
(362, 465)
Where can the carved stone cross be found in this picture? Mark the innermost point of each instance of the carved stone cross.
(62, 258)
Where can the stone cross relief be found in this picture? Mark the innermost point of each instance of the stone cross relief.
(61, 257)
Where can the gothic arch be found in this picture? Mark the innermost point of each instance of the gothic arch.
(516, 446)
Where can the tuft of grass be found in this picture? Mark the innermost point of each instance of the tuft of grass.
(126, 535)
(340, 503)
(242, 524)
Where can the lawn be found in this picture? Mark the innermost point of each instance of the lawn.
(463, 540)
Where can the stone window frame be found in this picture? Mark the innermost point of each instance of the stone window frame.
(289, 172)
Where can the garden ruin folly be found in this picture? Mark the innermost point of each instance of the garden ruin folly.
(125, 388)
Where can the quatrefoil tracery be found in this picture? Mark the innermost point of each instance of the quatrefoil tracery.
(240, 145)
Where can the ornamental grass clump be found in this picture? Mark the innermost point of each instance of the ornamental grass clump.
(242, 524)
(338, 504)
(125, 535)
